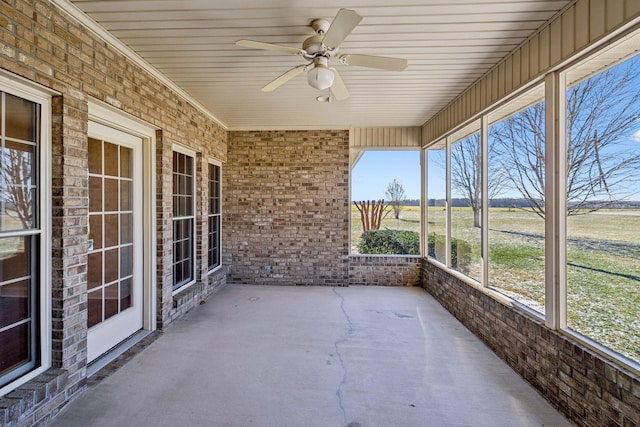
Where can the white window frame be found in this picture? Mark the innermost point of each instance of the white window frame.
(211, 269)
(191, 153)
(32, 92)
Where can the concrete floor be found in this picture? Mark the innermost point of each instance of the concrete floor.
(314, 356)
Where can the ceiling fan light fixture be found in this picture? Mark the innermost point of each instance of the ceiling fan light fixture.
(320, 77)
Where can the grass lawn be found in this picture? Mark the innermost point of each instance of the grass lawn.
(603, 264)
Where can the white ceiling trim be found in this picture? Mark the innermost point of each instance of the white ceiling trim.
(85, 20)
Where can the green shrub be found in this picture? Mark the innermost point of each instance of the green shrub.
(436, 246)
(460, 254)
(392, 242)
(460, 250)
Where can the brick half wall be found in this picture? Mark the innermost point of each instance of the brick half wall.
(382, 270)
(286, 207)
(586, 387)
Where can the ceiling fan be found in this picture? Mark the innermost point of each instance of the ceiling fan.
(320, 49)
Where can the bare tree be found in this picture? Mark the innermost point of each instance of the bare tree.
(395, 193)
(601, 113)
(466, 173)
(521, 139)
(371, 213)
(15, 185)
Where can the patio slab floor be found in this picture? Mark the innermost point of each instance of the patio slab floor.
(313, 356)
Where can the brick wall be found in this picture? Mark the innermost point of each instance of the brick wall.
(384, 270)
(40, 43)
(286, 207)
(586, 387)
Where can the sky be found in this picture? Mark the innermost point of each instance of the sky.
(375, 170)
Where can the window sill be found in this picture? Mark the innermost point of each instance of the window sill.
(182, 288)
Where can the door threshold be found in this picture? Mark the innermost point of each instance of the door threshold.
(111, 355)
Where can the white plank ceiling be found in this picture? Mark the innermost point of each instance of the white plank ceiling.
(449, 44)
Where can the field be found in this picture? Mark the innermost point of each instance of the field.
(603, 268)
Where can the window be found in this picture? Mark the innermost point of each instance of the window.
(214, 217)
(183, 218)
(393, 177)
(562, 209)
(24, 336)
(603, 201)
(516, 189)
(466, 202)
(514, 202)
(437, 202)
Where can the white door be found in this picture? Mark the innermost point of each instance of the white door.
(115, 262)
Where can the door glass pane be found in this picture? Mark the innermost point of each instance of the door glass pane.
(111, 263)
(111, 300)
(111, 230)
(95, 231)
(95, 194)
(126, 228)
(126, 261)
(125, 162)
(111, 159)
(94, 307)
(125, 195)
(125, 294)
(111, 191)
(94, 270)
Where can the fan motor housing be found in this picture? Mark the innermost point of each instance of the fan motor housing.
(320, 26)
(313, 45)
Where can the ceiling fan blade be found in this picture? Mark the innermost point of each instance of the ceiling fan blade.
(270, 46)
(284, 78)
(372, 61)
(343, 24)
(338, 88)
